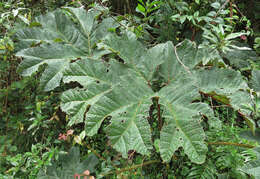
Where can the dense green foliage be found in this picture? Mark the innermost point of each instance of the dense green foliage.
(164, 89)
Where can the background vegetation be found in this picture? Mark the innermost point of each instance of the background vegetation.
(44, 133)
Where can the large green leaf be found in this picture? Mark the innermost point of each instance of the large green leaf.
(127, 103)
(255, 82)
(127, 97)
(127, 47)
(176, 61)
(181, 130)
(89, 26)
(249, 136)
(55, 55)
(121, 92)
(253, 167)
(240, 58)
(144, 61)
(228, 87)
(65, 42)
(87, 71)
(112, 90)
(75, 102)
(207, 54)
(131, 130)
(182, 127)
(220, 81)
(109, 95)
(130, 91)
(242, 102)
(70, 165)
(54, 27)
(86, 20)
(97, 78)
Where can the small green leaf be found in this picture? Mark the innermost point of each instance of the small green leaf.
(175, 17)
(141, 9)
(183, 18)
(215, 5)
(234, 35)
(15, 12)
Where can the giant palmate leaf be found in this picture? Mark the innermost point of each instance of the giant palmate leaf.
(57, 40)
(121, 92)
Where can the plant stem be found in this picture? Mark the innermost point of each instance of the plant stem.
(227, 1)
(176, 54)
(159, 114)
(131, 168)
(231, 143)
(231, 10)
(94, 151)
(128, 6)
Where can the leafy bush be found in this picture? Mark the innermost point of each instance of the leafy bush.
(69, 165)
(164, 102)
(122, 91)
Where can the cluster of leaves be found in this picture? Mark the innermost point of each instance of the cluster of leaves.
(145, 101)
(24, 109)
(123, 91)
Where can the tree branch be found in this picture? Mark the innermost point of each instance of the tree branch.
(131, 168)
(232, 144)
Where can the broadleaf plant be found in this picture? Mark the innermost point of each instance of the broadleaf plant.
(121, 89)
(56, 40)
(68, 165)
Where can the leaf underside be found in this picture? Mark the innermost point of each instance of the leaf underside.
(58, 41)
(121, 91)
